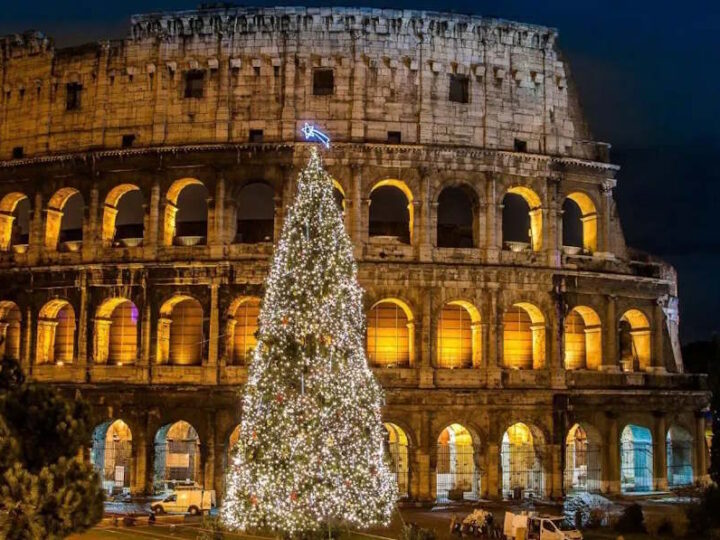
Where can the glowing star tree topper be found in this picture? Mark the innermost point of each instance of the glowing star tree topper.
(313, 133)
(310, 450)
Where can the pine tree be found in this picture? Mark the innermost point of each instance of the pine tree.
(310, 452)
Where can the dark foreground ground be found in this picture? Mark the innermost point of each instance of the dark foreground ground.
(656, 510)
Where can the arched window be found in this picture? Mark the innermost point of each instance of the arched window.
(679, 457)
(123, 217)
(523, 337)
(116, 332)
(339, 195)
(390, 334)
(14, 221)
(255, 214)
(636, 459)
(56, 333)
(634, 337)
(522, 463)
(583, 465)
(10, 326)
(522, 220)
(180, 332)
(458, 336)
(177, 456)
(583, 339)
(396, 448)
(580, 222)
(64, 220)
(242, 326)
(186, 213)
(457, 477)
(111, 454)
(456, 218)
(391, 212)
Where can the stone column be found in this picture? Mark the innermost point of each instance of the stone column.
(428, 210)
(701, 468)
(493, 487)
(82, 328)
(152, 219)
(214, 335)
(658, 350)
(610, 346)
(36, 236)
(605, 243)
(555, 489)
(26, 348)
(218, 223)
(91, 230)
(101, 340)
(146, 334)
(139, 481)
(611, 472)
(208, 454)
(356, 209)
(493, 225)
(660, 452)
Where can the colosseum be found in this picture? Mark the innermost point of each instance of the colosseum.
(525, 349)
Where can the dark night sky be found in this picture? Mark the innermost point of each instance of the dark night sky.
(649, 80)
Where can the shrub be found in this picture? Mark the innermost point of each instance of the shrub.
(631, 520)
(413, 532)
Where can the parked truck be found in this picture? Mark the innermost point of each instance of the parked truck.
(534, 526)
(190, 500)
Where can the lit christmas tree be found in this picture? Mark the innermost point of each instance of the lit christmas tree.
(310, 451)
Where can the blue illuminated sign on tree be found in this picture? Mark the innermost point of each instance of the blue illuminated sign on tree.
(312, 133)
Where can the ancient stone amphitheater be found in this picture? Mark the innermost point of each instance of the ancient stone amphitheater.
(526, 351)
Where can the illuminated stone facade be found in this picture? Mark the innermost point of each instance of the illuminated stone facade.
(179, 148)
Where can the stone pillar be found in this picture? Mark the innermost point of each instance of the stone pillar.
(91, 230)
(82, 328)
(218, 222)
(660, 452)
(493, 488)
(611, 472)
(146, 334)
(493, 225)
(6, 226)
(139, 481)
(26, 348)
(162, 355)
(208, 454)
(555, 487)
(152, 219)
(101, 340)
(701, 468)
(417, 224)
(357, 207)
(427, 218)
(610, 346)
(37, 230)
(476, 331)
(214, 335)
(658, 350)
(605, 243)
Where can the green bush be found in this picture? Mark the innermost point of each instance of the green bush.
(631, 520)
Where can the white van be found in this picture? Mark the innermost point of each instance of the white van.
(193, 501)
(532, 526)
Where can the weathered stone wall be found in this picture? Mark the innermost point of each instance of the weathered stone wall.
(392, 73)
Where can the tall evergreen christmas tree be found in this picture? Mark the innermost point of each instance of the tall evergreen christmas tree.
(310, 450)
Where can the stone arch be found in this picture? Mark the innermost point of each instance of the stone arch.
(583, 339)
(522, 460)
(390, 217)
(14, 220)
(583, 459)
(177, 456)
(116, 332)
(242, 326)
(397, 445)
(634, 341)
(61, 223)
(186, 222)
(679, 451)
(111, 455)
(587, 222)
(523, 337)
(636, 459)
(459, 336)
(255, 213)
(56, 333)
(390, 334)
(339, 194)
(180, 332)
(119, 225)
(457, 215)
(456, 467)
(531, 213)
(10, 330)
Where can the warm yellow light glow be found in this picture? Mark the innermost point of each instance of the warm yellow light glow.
(589, 220)
(54, 214)
(111, 209)
(524, 337)
(10, 330)
(397, 448)
(536, 221)
(56, 333)
(171, 208)
(241, 327)
(583, 339)
(458, 336)
(638, 355)
(390, 333)
(180, 332)
(8, 204)
(115, 333)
